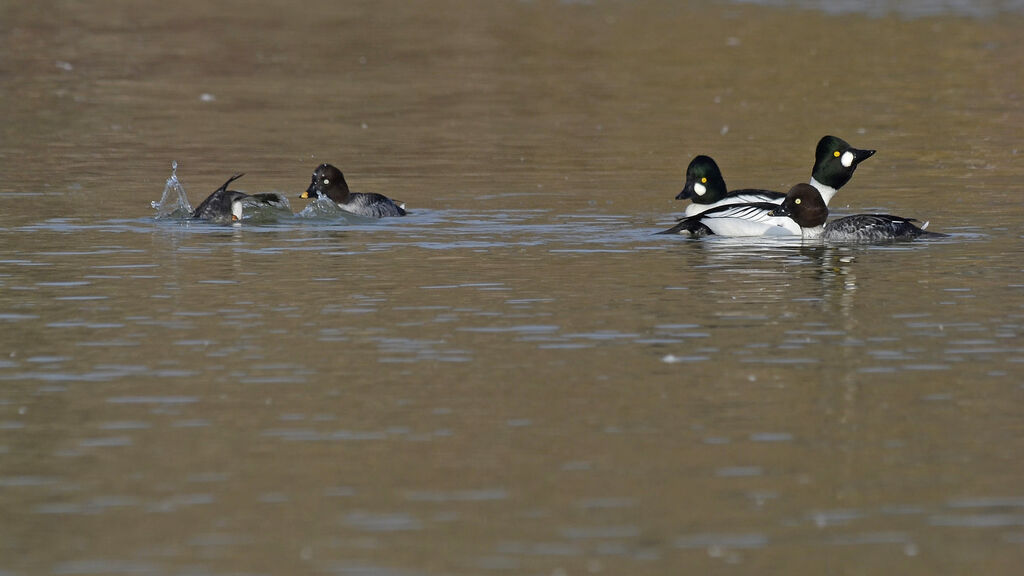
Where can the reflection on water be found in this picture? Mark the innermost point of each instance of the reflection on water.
(519, 377)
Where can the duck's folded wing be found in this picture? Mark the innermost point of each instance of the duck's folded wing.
(372, 205)
(875, 227)
(753, 219)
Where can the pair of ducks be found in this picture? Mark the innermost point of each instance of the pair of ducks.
(327, 182)
(802, 211)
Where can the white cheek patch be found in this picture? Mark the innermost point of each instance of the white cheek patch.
(847, 159)
(236, 210)
(700, 189)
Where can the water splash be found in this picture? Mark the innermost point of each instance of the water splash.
(267, 208)
(174, 202)
(322, 208)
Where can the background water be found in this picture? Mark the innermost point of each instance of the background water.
(517, 378)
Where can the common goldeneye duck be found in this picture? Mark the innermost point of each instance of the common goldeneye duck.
(705, 188)
(330, 182)
(752, 219)
(806, 207)
(226, 204)
(834, 163)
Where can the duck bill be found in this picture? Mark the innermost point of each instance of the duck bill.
(310, 192)
(861, 155)
(779, 212)
(687, 192)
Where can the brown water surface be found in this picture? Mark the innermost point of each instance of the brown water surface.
(517, 378)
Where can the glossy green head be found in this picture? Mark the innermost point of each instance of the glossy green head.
(835, 161)
(704, 182)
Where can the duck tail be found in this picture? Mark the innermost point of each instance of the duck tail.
(224, 186)
(693, 226)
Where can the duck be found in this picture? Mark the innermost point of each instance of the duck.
(224, 204)
(834, 164)
(805, 206)
(328, 181)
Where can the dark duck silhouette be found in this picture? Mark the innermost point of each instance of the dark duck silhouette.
(329, 182)
(226, 205)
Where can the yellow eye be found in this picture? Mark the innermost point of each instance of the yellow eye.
(836, 154)
(797, 201)
(703, 180)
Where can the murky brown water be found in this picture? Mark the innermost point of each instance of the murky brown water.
(517, 378)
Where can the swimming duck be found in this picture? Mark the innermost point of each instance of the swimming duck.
(805, 206)
(330, 182)
(834, 164)
(226, 204)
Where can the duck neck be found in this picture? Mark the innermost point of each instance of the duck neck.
(827, 192)
(340, 193)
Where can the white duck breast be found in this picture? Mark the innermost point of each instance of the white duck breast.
(236, 210)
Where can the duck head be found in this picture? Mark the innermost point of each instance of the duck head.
(327, 181)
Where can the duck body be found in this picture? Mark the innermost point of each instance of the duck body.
(227, 205)
(806, 207)
(329, 182)
(875, 228)
(753, 219)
